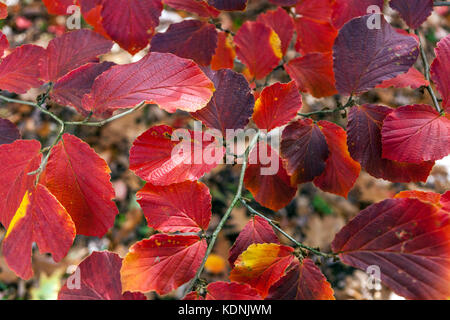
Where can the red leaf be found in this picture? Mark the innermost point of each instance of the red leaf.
(229, 5)
(99, 280)
(319, 10)
(258, 47)
(183, 207)
(224, 56)
(19, 71)
(267, 180)
(415, 133)
(257, 230)
(308, 33)
(305, 150)
(71, 88)
(18, 159)
(277, 105)
(80, 180)
(231, 105)
(4, 44)
(231, 291)
(201, 8)
(3, 10)
(262, 265)
(413, 12)
(413, 79)
(364, 58)
(42, 219)
(184, 85)
(408, 240)
(313, 73)
(162, 263)
(364, 143)
(440, 71)
(72, 50)
(346, 10)
(8, 132)
(304, 281)
(131, 23)
(281, 22)
(91, 10)
(341, 170)
(58, 7)
(190, 39)
(152, 157)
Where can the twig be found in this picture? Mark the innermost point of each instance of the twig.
(350, 103)
(298, 244)
(224, 219)
(103, 122)
(426, 72)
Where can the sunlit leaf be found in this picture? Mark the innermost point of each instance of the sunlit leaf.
(184, 86)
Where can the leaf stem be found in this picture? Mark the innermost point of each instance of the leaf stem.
(237, 197)
(426, 72)
(298, 244)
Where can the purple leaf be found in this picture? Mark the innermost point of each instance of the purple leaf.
(365, 57)
(8, 132)
(414, 12)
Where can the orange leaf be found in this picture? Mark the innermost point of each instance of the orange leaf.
(261, 265)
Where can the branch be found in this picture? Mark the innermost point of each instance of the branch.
(426, 72)
(350, 103)
(103, 122)
(224, 219)
(441, 4)
(298, 244)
